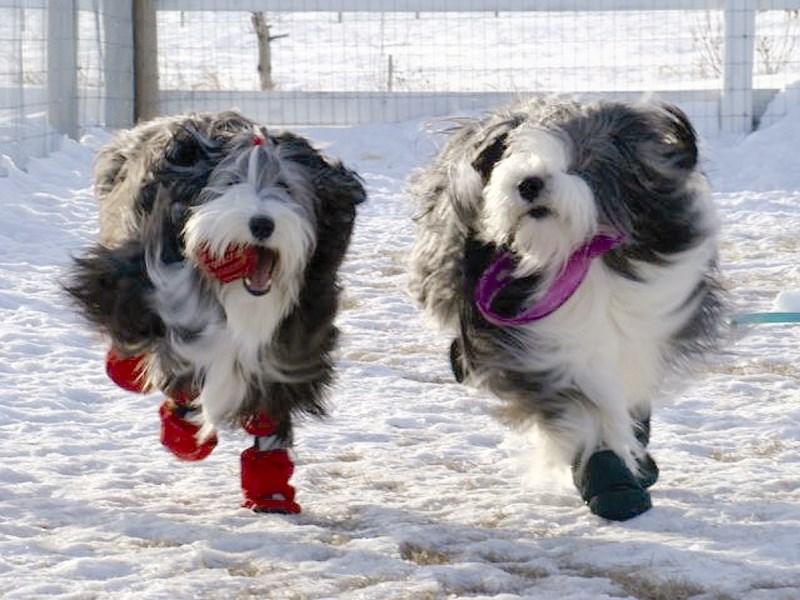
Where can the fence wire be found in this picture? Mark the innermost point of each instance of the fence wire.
(347, 67)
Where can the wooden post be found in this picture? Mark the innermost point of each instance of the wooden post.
(145, 61)
(262, 27)
(736, 106)
(118, 63)
(62, 67)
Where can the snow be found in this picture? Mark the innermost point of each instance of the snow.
(410, 489)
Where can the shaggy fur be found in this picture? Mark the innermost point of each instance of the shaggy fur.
(540, 179)
(169, 188)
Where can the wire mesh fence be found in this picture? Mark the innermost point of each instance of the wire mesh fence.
(308, 62)
(64, 67)
(23, 80)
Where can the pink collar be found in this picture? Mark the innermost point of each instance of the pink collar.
(499, 275)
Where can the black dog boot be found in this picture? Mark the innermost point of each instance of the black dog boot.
(648, 469)
(609, 488)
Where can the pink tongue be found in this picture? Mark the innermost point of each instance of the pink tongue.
(260, 277)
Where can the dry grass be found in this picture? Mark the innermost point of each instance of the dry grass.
(350, 303)
(768, 450)
(493, 520)
(423, 556)
(645, 586)
(525, 571)
(145, 543)
(756, 368)
(349, 457)
(243, 571)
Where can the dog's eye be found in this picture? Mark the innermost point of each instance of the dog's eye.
(283, 185)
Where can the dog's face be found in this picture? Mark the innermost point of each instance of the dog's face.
(255, 200)
(552, 182)
(223, 186)
(534, 202)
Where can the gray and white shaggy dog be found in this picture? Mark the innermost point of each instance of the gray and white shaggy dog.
(215, 277)
(571, 249)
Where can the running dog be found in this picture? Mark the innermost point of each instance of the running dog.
(571, 249)
(215, 279)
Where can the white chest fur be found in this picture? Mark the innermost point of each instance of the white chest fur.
(612, 338)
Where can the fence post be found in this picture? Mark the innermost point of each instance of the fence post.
(145, 59)
(62, 67)
(736, 106)
(118, 62)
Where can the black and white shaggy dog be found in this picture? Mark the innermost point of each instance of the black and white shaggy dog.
(572, 251)
(215, 279)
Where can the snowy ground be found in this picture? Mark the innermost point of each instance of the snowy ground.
(409, 489)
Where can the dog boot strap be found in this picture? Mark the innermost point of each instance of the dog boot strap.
(259, 424)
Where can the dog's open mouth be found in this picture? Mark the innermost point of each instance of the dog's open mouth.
(258, 280)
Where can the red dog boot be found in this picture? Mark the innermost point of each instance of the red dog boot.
(126, 372)
(179, 434)
(266, 469)
(265, 481)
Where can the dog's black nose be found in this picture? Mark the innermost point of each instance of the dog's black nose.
(262, 227)
(530, 188)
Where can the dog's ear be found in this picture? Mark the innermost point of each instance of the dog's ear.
(341, 185)
(653, 152)
(337, 192)
(111, 288)
(663, 142)
(337, 187)
(449, 194)
(678, 136)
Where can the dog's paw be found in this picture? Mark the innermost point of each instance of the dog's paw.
(610, 489)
